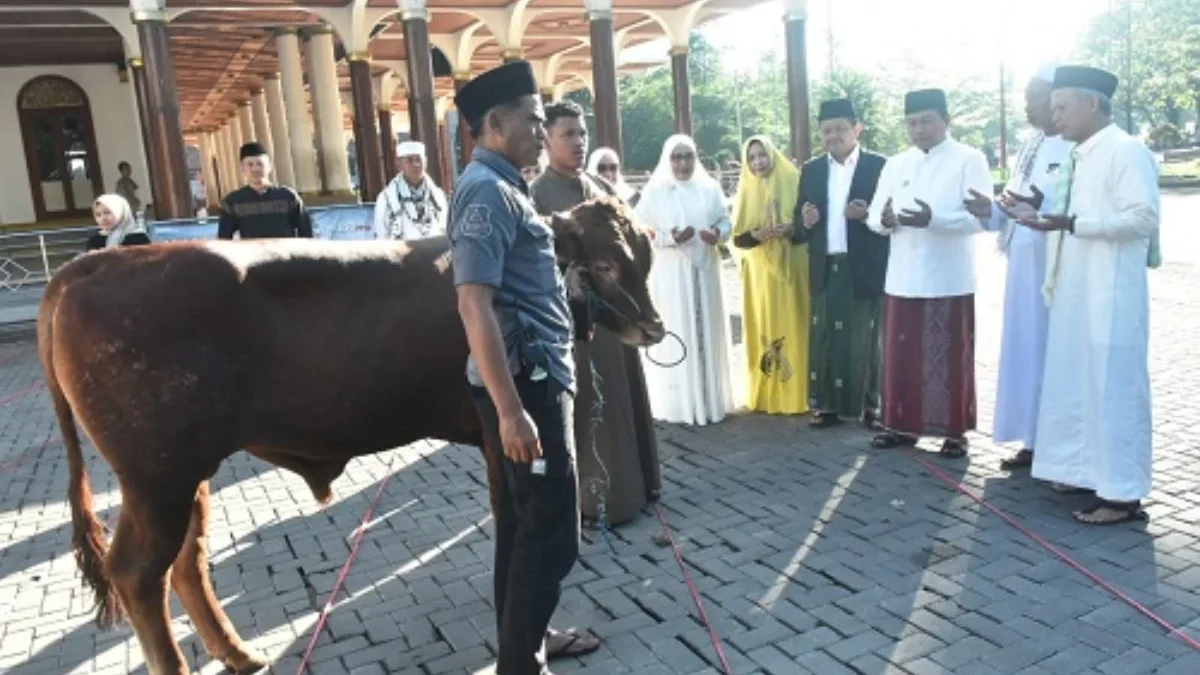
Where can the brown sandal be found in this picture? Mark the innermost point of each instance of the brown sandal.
(953, 448)
(1021, 460)
(890, 439)
(1105, 512)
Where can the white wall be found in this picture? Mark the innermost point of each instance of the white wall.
(114, 114)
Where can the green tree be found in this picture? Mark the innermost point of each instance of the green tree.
(883, 130)
(1154, 47)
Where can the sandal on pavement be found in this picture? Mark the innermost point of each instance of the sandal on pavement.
(1021, 460)
(1064, 489)
(562, 644)
(1105, 512)
(824, 420)
(890, 439)
(953, 448)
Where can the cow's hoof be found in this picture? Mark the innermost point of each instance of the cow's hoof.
(247, 663)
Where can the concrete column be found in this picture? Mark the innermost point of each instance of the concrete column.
(236, 138)
(326, 99)
(246, 122)
(295, 104)
(281, 145)
(211, 177)
(604, 76)
(232, 179)
(794, 20)
(262, 124)
(165, 150)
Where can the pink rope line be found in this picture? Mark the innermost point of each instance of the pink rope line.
(1121, 595)
(329, 606)
(687, 578)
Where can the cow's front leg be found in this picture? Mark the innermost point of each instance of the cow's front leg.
(189, 578)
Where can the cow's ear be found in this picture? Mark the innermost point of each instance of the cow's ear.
(568, 238)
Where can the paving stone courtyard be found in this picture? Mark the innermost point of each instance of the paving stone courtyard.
(812, 552)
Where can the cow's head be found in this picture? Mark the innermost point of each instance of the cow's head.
(605, 254)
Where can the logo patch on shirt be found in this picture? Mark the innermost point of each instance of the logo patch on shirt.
(476, 221)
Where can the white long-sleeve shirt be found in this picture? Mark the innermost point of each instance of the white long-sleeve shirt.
(936, 261)
(1114, 197)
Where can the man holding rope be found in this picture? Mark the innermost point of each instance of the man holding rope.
(514, 307)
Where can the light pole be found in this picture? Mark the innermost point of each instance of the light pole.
(1129, 66)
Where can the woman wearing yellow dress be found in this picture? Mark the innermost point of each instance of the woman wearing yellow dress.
(775, 298)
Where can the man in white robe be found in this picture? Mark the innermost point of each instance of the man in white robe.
(1094, 424)
(412, 206)
(1023, 342)
(929, 291)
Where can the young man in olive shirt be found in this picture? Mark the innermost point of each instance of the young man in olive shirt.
(259, 210)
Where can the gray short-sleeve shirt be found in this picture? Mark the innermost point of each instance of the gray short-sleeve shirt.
(497, 239)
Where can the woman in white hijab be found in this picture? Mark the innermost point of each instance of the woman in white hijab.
(117, 225)
(605, 163)
(686, 210)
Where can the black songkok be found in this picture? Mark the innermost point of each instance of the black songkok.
(926, 99)
(1086, 77)
(252, 149)
(495, 87)
(838, 107)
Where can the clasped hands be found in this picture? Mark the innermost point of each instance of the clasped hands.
(710, 236)
(1021, 208)
(921, 217)
(856, 209)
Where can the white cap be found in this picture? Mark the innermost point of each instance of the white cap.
(1045, 72)
(410, 149)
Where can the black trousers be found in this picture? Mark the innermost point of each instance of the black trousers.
(537, 525)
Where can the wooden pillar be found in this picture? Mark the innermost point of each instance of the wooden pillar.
(387, 145)
(797, 77)
(464, 130)
(366, 138)
(165, 150)
(683, 90)
(422, 111)
(604, 76)
(444, 152)
(143, 100)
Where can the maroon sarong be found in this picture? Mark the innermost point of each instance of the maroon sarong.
(929, 365)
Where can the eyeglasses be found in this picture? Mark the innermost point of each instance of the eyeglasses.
(607, 167)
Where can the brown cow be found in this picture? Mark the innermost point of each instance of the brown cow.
(304, 353)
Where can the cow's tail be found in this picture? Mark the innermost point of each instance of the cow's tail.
(87, 537)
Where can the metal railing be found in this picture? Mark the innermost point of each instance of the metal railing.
(31, 258)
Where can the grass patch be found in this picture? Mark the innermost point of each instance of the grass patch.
(1181, 169)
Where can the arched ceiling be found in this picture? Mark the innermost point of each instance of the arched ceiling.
(222, 49)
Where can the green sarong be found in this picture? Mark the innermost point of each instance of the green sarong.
(844, 347)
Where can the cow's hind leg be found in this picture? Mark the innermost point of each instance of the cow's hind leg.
(189, 578)
(149, 535)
